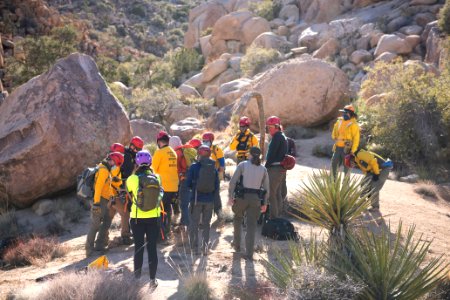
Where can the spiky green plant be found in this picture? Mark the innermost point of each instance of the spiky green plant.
(389, 267)
(332, 203)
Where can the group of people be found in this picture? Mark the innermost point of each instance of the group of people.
(185, 179)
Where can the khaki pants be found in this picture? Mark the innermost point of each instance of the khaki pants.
(124, 214)
(251, 206)
(276, 177)
(100, 224)
(376, 186)
(338, 160)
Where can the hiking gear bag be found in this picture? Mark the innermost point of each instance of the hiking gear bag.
(206, 181)
(239, 188)
(148, 192)
(279, 229)
(288, 162)
(190, 155)
(85, 183)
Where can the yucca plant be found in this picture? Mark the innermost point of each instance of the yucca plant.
(388, 267)
(332, 203)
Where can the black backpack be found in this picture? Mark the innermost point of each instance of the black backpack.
(206, 181)
(279, 229)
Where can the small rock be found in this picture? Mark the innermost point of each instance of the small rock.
(223, 268)
(360, 56)
(386, 57)
(413, 178)
(411, 30)
(423, 19)
(187, 128)
(43, 207)
(283, 31)
(299, 50)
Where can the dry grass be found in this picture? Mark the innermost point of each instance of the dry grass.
(196, 287)
(92, 285)
(34, 251)
(262, 291)
(8, 225)
(427, 188)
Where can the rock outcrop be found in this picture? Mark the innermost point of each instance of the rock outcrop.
(146, 130)
(54, 126)
(187, 128)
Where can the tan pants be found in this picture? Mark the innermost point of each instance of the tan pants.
(120, 208)
(250, 204)
(277, 176)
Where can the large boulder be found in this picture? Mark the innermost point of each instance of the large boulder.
(394, 44)
(187, 91)
(213, 69)
(302, 91)
(316, 11)
(186, 129)
(270, 40)
(146, 130)
(177, 111)
(230, 91)
(54, 126)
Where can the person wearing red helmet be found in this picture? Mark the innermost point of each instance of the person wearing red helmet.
(219, 158)
(203, 181)
(346, 136)
(117, 147)
(136, 145)
(275, 154)
(107, 181)
(195, 143)
(165, 165)
(243, 140)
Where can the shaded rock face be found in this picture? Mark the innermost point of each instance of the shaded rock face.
(54, 126)
(146, 130)
(303, 92)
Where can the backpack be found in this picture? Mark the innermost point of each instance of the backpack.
(279, 229)
(206, 181)
(288, 162)
(291, 147)
(148, 196)
(86, 182)
(190, 155)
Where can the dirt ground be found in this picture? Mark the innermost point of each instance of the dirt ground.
(227, 272)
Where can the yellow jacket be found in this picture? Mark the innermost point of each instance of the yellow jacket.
(367, 162)
(104, 186)
(251, 139)
(217, 156)
(165, 165)
(136, 213)
(346, 131)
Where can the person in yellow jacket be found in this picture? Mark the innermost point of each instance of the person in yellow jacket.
(107, 182)
(375, 168)
(346, 136)
(165, 165)
(144, 224)
(243, 140)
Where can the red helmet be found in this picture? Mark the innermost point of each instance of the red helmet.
(204, 150)
(117, 147)
(349, 161)
(244, 121)
(137, 142)
(117, 157)
(348, 108)
(162, 135)
(208, 136)
(273, 120)
(195, 143)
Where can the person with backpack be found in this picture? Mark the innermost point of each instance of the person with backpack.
(186, 156)
(277, 174)
(203, 181)
(218, 157)
(165, 165)
(292, 151)
(120, 203)
(346, 135)
(145, 189)
(253, 178)
(376, 170)
(243, 140)
(195, 143)
(107, 182)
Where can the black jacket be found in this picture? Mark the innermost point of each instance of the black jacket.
(128, 163)
(277, 149)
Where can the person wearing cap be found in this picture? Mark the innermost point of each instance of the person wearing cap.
(346, 136)
(248, 202)
(243, 140)
(165, 165)
(376, 170)
(107, 181)
(275, 154)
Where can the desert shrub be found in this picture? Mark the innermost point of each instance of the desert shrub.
(158, 21)
(390, 267)
(203, 106)
(427, 188)
(197, 287)
(183, 61)
(263, 9)
(258, 59)
(323, 150)
(8, 225)
(40, 53)
(444, 18)
(34, 251)
(138, 10)
(92, 285)
(152, 104)
(299, 132)
(413, 123)
(206, 32)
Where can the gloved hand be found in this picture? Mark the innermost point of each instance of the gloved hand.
(96, 209)
(116, 179)
(375, 177)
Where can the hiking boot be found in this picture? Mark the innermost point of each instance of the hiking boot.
(126, 240)
(101, 248)
(153, 285)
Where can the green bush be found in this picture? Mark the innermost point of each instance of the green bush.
(264, 9)
(257, 60)
(138, 10)
(152, 104)
(444, 18)
(413, 122)
(202, 105)
(158, 21)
